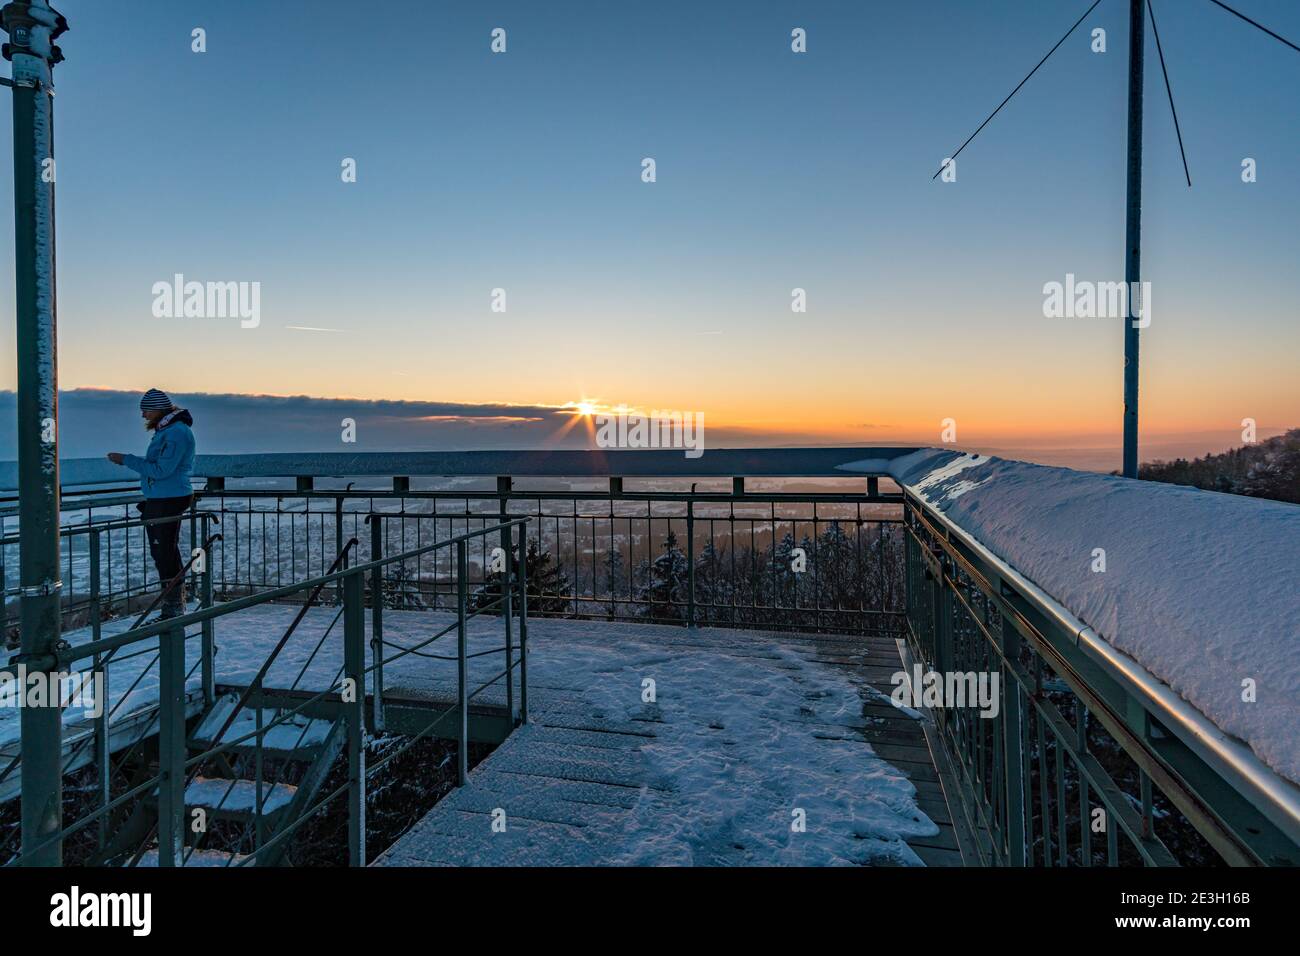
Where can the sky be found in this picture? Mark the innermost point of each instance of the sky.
(774, 170)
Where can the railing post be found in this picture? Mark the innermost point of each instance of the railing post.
(208, 627)
(338, 540)
(259, 820)
(1148, 807)
(690, 560)
(354, 642)
(943, 622)
(1081, 747)
(171, 746)
(507, 545)
(97, 668)
(31, 50)
(523, 623)
(1013, 746)
(377, 622)
(194, 543)
(462, 662)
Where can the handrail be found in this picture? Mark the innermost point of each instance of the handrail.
(353, 635)
(806, 462)
(172, 637)
(254, 687)
(1231, 760)
(256, 683)
(1232, 755)
(89, 649)
(116, 524)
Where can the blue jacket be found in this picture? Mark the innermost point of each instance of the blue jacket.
(166, 467)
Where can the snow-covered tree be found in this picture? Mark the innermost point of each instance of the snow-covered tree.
(665, 583)
(549, 590)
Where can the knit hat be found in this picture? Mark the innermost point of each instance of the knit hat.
(156, 399)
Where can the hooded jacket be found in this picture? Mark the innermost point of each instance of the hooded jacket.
(166, 467)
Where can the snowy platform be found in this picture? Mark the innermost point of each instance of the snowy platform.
(749, 748)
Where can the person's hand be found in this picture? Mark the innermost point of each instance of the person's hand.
(115, 457)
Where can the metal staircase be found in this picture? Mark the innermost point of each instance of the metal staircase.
(237, 783)
(302, 749)
(260, 790)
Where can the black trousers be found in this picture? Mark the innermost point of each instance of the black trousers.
(165, 536)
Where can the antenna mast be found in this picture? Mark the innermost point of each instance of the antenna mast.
(1133, 235)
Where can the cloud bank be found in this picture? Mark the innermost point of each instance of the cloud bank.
(93, 421)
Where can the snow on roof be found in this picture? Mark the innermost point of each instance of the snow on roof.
(1200, 588)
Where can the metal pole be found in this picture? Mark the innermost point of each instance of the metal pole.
(462, 676)
(523, 623)
(690, 559)
(32, 28)
(171, 747)
(338, 541)
(1013, 749)
(259, 775)
(1133, 233)
(99, 669)
(208, 646)
(507, 545)
(507, 614)
(354, 666)
(376, 622)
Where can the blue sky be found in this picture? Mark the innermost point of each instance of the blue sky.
(775, 171)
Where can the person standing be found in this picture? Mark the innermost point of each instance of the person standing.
(165, 472)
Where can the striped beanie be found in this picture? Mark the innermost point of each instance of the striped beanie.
(157, 399)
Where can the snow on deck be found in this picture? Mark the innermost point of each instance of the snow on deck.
(746, 728)
(1199, 587)
(748, 735)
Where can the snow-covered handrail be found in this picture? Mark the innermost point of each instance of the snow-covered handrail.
(644, 463)
(1193, 617)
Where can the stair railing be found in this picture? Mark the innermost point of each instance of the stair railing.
(98, 740)
(350, 691)
(254, 689)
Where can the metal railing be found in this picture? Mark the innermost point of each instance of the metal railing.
(105, 562)
(1078, 764)
(827, 563)
(1085, 762)
(95, 596)
(347, 693)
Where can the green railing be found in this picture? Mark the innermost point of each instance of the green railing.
(1085, 761)
(105, 564)
(716, 556)
(96, 594)
(347, 694)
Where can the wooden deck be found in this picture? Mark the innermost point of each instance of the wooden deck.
(581, 786)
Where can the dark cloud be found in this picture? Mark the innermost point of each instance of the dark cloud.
(93, 421)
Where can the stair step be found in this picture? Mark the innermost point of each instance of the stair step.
(196, 858)
(298, 738)
(218, 797)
